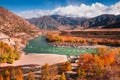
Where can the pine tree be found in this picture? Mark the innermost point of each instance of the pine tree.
(78, 72)
(7, 73)
(45, 72)
(63, 76)
(31, 76)
(68, 66)
(1, 77)
(58, 78)
(19, 74)
(13, 74)
(7, 78)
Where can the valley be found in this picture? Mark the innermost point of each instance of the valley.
(56, 47)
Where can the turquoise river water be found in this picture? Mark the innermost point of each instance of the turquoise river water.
(40, 45)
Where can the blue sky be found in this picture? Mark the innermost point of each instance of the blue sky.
(73, 8)
(21, 5)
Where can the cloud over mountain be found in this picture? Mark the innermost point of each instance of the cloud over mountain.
(82, 10)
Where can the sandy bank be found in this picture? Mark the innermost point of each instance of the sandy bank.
(37, 59)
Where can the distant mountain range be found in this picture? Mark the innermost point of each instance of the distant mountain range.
(115, 25)
(58, 22)
(101, 21)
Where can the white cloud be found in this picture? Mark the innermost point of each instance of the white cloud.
(82, 10)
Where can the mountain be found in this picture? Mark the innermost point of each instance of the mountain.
(101, 21)
(68, 21)
(114, 25)
(12, 25)
(45, 23)
(54, 22)
(15, 28)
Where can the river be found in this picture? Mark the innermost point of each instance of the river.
(40, 45)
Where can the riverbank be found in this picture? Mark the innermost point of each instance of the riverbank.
(78, 45)
(40, 45)
(73, 45)
(37, 59)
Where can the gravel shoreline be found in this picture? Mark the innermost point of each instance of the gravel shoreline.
(73, 45)
(37, 59)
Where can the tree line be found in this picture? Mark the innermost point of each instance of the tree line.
(85, 41)
(104, 65)
(8, 53)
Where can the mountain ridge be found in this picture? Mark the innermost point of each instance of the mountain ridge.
(17, 29)
(81, 23)
(9, 22)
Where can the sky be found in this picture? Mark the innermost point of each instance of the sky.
(74, 8)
